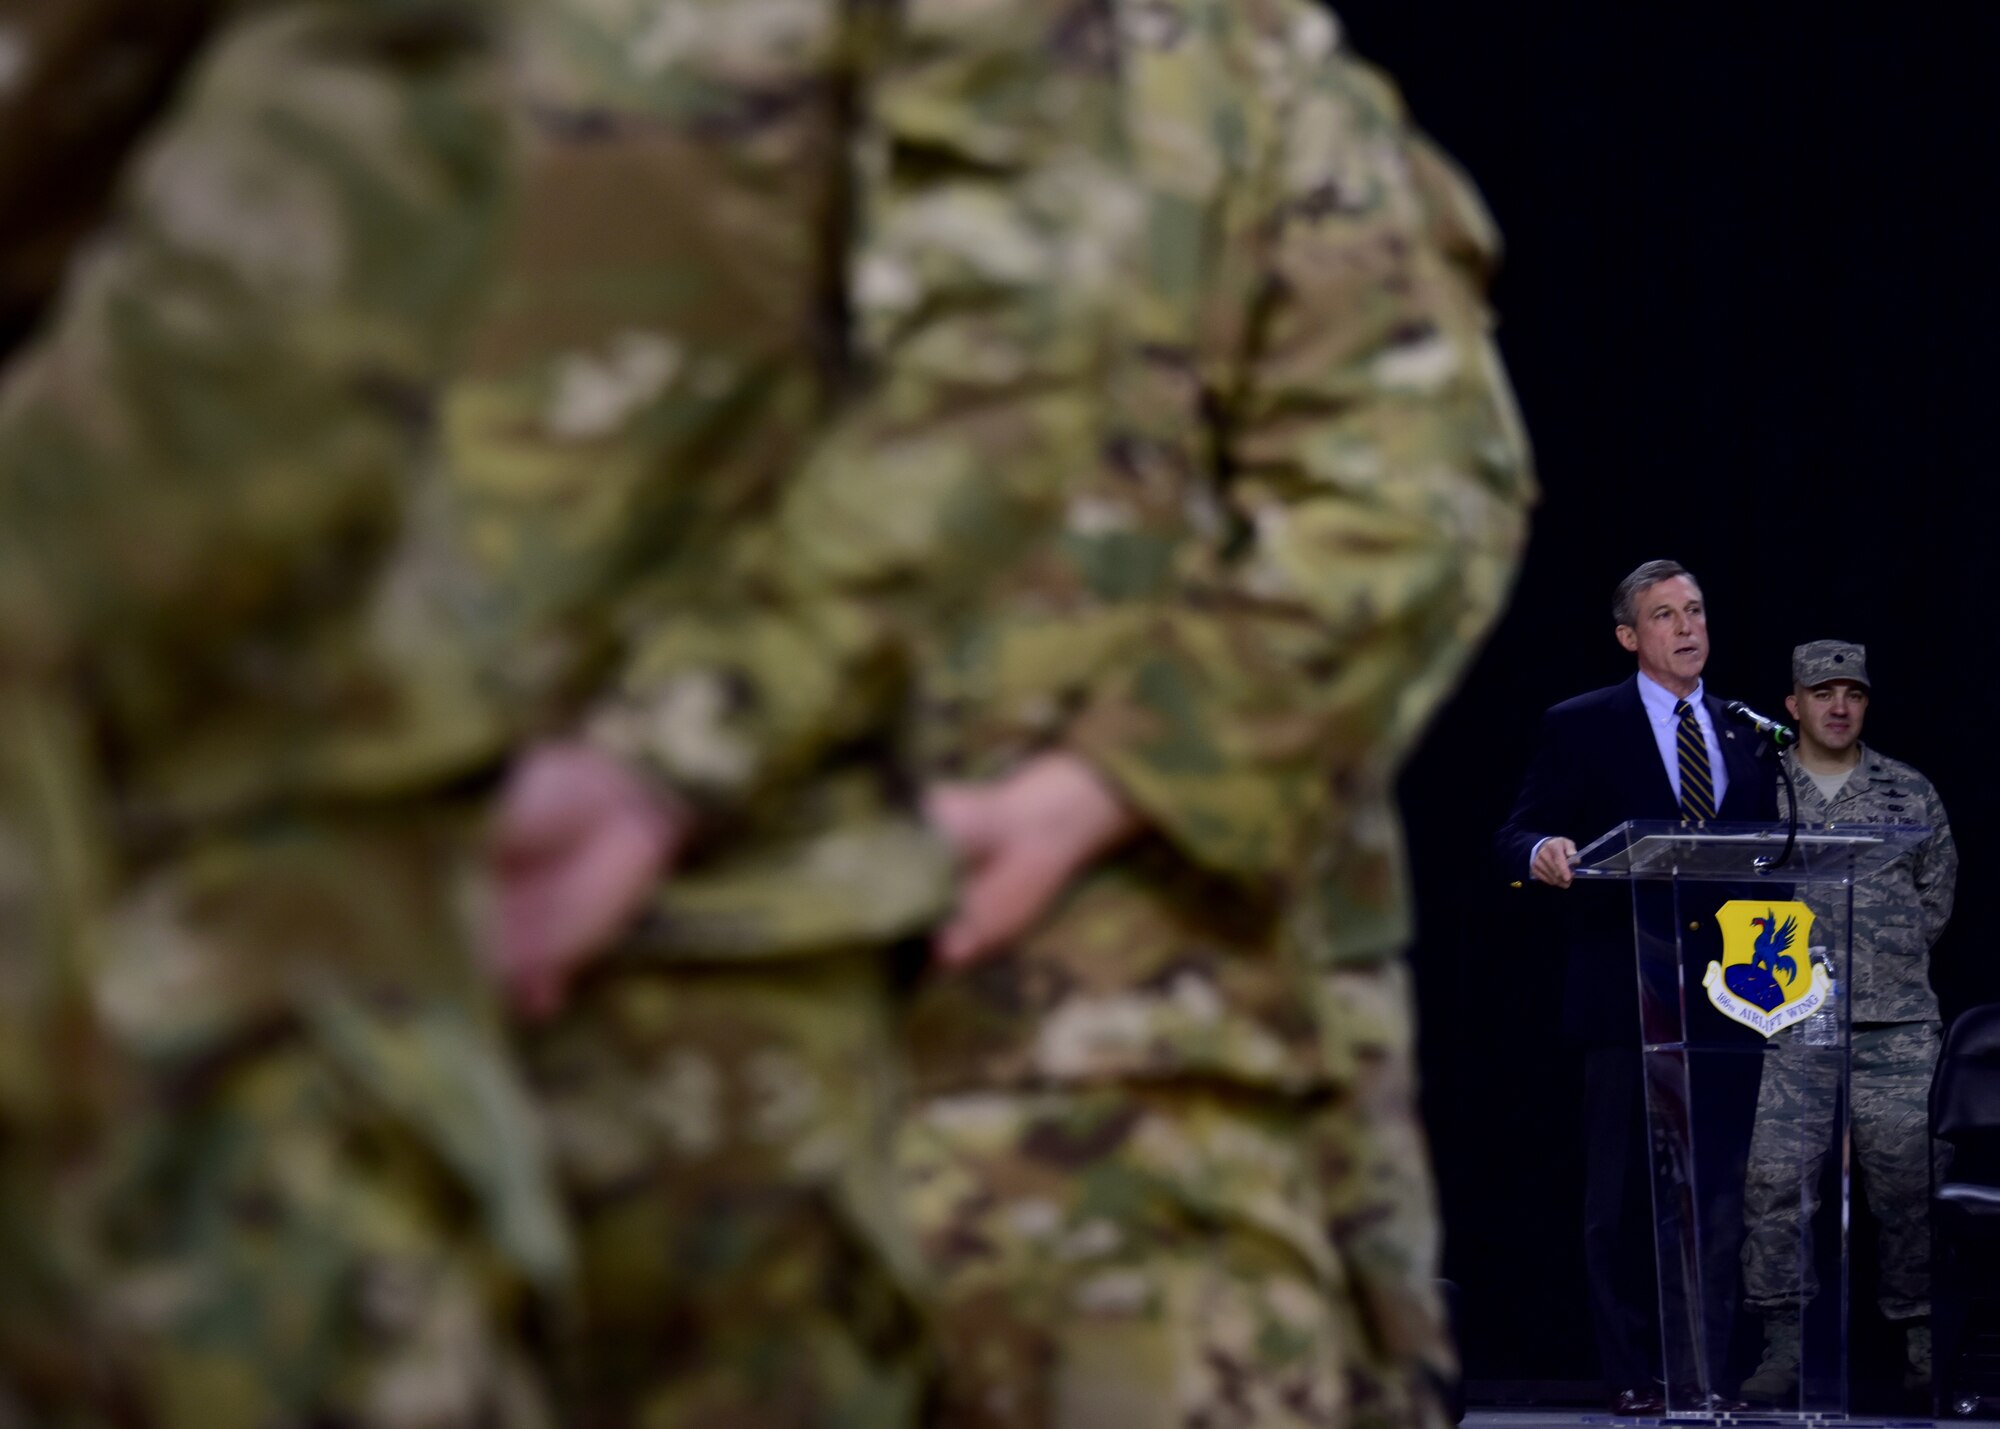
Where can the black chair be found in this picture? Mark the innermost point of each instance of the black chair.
(1965, 1216)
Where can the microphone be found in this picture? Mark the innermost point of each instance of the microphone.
(1782, 735)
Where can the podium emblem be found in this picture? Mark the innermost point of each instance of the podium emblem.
(1765, 980)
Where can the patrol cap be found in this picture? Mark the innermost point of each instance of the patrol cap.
(1817, 661)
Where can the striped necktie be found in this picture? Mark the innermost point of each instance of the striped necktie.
(1697, 782)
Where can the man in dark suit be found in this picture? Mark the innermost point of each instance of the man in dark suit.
(1655, 746)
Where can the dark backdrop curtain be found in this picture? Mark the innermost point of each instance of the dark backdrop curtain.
(1750, 307)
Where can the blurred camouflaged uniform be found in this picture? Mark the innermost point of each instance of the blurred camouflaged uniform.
(53, 187)
(300, 1186)
(1899, 913)
(798, 337)
(1125, 1165)
(53, 1069)
(1354, 918)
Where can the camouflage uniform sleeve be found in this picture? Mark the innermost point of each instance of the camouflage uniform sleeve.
(1378, 482)
(228, 390)
(984, 227)
(1936, 872)
(104, 67)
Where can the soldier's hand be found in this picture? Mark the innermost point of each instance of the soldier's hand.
(1020, 841)
(579, 842)
(1551, 863)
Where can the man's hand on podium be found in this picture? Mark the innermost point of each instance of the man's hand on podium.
(1551, 863)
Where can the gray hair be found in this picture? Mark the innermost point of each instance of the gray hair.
(1625, 599)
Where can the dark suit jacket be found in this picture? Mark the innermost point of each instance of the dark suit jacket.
(1598, 765)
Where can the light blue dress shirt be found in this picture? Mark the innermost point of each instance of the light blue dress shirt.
(1659, 702)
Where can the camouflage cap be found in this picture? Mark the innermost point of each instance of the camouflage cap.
(1817, 661)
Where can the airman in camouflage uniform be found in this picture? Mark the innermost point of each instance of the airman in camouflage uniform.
(265, 1161)
(1899, 912)
(822, 358)
(1354, 919)
(1159, 1133)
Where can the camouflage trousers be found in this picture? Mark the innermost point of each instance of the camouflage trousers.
(722, 1137)
(1892, 1067)
(1146, 1258)
(1382, 1202)
(321, 1201)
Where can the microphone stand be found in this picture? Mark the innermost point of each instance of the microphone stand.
(1764, 863)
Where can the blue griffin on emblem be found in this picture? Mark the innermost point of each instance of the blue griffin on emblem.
(1756, 981)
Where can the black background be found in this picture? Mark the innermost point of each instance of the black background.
(1750, 312)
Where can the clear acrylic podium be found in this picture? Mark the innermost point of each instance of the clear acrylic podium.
(1743, 1019)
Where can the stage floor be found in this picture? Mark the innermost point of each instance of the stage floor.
(1575, 1419)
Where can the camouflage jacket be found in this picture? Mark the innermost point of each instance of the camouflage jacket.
(211, 444)
(924, 494)
(724, 461)
(1310, 508)
(53, 870)
(1354, 903)
(1899, 911)
(214, 441)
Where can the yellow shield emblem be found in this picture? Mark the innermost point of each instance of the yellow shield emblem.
(1766, 980)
